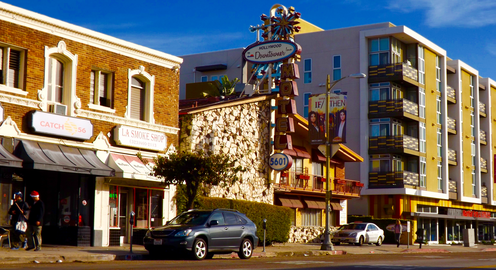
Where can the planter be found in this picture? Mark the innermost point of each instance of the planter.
(303, 177)
(284, 174)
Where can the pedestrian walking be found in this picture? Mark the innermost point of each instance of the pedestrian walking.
(397, 232)
(35, 222)
(18, 210)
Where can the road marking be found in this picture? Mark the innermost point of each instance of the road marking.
(302, 262)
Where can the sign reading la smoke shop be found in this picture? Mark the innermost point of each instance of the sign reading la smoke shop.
(60, 125)
(140, 138)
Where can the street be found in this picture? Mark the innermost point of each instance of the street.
(486, 260)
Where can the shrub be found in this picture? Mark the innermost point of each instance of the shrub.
(278, 217)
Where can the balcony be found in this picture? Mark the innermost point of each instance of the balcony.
(451, 93)
(482, 109)
(483, 165)
(483, 137)
(393, 179)
(394, 108)
(452, 157)
(453, 193)
(393, 72)
(451, 125)
(398, 144)
(484, 196)
(316, 183)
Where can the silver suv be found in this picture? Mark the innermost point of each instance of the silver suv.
(203, 233)
(359, 234)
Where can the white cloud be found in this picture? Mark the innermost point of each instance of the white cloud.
(458, 13)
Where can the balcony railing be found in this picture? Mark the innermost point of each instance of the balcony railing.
(451, 93)
(482, 109)
(391, 106)
(453, 193)
(483, 165)
(484, 196)
(393, 179)
(483, 137)
(452, 156)
(451, 125)
(398, 142)
(397, 71)
(316, 183)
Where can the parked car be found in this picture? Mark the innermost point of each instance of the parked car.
(203, 233)
(359, 234)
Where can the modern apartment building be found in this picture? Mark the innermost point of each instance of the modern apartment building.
(420, 120)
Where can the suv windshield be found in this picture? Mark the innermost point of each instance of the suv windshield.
(360, 226)
(191, 218)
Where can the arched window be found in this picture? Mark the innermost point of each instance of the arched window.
(55, 80)
(138, 90)
(140, 95)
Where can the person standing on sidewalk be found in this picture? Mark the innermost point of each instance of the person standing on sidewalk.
(397, 232)
(18, 210)
(35, 222)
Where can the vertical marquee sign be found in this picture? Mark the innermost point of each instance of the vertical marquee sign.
(274, 69)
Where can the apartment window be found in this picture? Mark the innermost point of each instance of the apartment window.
(379, 127)
(472, 152)
(379, 165)
(379, 51)
(317, 169)
(472, 100)
(438, 109)
(472, 123)
(439, 143)
(311, 217)
(439, 175)
(336, 71)
(421, 102)
(426, 209)
(204, 78)
(397, 164)
(438, 74)
(473, 183)
(423, 170)
(306, 100)
(297, 167)
(140, 95)
(55, 80)
(396, 54)
(11, 66)
(101, 88)
(137, 99)
(421, 66)
(422, 139)
(307, 71)
(379, 91)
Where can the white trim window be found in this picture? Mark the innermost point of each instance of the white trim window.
(12, 66)
(336, 67)
(422, 171)
(439, 143)
(307, 71)
(472, 99)
(422, 137)
(379, 91)
(421, 65)
(396, 54)
(472, 123)
(472, 153)
(380, 127)
(379, 51)
(55, 80)
(306, 102)
(474, 188)
(421, 102)
(438, 74)
(438, 110)
(140, 93)
(311, 217)
(439, 175)
(101, 88)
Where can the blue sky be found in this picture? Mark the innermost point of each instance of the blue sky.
(466, 29)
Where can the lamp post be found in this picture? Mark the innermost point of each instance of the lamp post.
(327, 244)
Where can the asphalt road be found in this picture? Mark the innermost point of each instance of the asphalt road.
(434, 261)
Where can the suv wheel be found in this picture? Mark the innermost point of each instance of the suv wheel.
(246, 249)
(199, 249)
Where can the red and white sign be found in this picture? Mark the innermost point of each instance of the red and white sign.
(271, 51)
(140, 138)
(67, 219)
(61, 125)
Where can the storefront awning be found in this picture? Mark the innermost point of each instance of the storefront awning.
(127, 166)
(293, 203)
(9, 160)
(297, 151)
(315, 204)
(53, 157)
(336, 206)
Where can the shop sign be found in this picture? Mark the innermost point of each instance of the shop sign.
(270, 51)
(468, 213)
(280, 162)
(140, 138)
(61, 125)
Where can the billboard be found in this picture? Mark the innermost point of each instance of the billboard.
(317, 119)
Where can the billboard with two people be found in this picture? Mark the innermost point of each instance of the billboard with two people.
(317, 119)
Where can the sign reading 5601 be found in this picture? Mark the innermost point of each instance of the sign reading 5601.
(280, 162)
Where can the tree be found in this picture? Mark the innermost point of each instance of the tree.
(226, 88)
(196, 170)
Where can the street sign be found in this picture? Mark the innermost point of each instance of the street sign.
(280, 162)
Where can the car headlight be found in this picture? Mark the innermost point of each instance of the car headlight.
(353, 234)
(183, 233)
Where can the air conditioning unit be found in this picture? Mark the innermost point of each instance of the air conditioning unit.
(58, 109)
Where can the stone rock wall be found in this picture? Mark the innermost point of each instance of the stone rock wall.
(307, 234)
(242, 132)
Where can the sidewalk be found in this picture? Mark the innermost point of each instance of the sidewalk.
(54, 254)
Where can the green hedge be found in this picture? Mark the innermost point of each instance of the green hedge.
(278, 217)
(381, 223)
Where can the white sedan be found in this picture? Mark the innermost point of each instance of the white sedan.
(359, 234)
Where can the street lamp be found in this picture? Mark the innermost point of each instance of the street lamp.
(327, 244)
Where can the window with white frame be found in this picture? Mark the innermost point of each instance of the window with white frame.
(317, 169)
(306, 100)
(472, 123)
(422, 139)
(12, 66)
(438, 74)
(421, 102)
(307, 71)
(438, 110)
(472, 100)
(138, 90)
(379, 91)
(423, 171)
(55, 80)
(380, 127)
(336, 67)
(426, 209)
(397, 164)
(439, 175)
(140, 95)
(297, 166)
(474, 189)
(311, 217)
(472, 153)
(101, 88)
(380, 164)
(421, 65)
(396, 54)
(379, 51)
(439, 143)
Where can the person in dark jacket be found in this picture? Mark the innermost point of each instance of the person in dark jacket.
(35, 222)
(19, 211)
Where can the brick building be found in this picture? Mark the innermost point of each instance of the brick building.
(76, 107)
